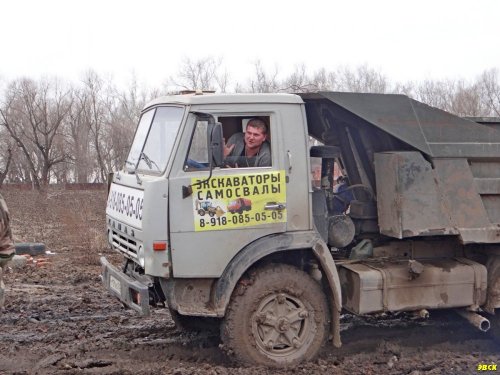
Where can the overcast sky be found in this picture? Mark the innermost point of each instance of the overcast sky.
(405, 40)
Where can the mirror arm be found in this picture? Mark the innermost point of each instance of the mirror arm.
(188, 190)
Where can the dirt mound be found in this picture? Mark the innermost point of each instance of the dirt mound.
(59, 319)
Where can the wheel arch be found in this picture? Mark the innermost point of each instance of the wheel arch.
(278, 243)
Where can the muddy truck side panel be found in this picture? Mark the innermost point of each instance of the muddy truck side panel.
(274, 261)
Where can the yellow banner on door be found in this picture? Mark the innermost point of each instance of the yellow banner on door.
(239, 200)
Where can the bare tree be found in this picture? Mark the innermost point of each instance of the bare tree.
(55, 133)
(467, 101)
(302, 81)
(95, 110)
(435, 93)
(264, 82)
(223, 79)
(324, 80)
(6, 164)
(404, 88)
(490, 91)
(34, 115)
(124, 117)
(299, 81)
(202, 74)
(361, 79)
(78, 133)
(455, 96)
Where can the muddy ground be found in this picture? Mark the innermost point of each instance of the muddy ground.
(59, 320)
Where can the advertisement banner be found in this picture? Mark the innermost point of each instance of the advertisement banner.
(239, 200)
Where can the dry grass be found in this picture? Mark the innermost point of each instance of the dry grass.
(63, 220)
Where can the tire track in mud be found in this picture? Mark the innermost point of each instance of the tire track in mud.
(396, 336)
(93, 332)
(59, 320)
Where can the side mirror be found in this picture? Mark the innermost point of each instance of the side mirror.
(215, 144)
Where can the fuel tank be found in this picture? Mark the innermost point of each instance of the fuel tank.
(376, 286)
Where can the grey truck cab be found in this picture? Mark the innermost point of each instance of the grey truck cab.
(260, 250)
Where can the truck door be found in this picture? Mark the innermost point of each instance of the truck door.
(229, 207)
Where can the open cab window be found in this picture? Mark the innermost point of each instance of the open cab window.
(234, 129)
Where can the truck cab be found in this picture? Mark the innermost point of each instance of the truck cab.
(260, 251)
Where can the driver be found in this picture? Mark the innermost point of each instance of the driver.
(252, 149)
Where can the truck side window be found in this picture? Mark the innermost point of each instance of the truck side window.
(247, 141)
(198, 152)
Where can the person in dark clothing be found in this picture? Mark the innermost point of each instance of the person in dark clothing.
(342, 195)
(249, 149)
(7, 249)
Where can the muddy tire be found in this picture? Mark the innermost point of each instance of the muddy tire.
(280, 318)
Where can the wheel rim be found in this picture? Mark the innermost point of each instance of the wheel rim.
(281, 325)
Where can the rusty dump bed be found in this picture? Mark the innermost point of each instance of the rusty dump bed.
(433, 173)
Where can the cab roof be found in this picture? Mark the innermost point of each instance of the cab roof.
(193, 99)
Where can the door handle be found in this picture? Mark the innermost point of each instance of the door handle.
(274, 206)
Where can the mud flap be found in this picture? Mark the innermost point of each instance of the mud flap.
(328, 266)
(131, 292)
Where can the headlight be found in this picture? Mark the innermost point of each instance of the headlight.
(140, 256)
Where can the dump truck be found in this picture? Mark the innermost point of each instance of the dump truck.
(421, 233)
(239, 205)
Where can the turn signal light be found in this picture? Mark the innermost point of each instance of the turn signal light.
(159, 246)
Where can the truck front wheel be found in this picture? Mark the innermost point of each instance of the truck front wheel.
(278, 318)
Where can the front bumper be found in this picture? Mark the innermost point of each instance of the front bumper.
(131, 292)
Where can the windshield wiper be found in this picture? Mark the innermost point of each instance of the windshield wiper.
(134, 166)
(148, 161)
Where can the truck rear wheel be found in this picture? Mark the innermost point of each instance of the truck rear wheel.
(280, 319)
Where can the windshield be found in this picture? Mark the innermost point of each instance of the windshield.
(154, 139)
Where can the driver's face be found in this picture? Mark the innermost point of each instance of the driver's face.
(254, 137)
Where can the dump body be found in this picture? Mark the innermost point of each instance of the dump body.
(432, 173)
